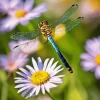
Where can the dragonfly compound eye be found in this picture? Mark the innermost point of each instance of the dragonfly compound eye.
(44, 22)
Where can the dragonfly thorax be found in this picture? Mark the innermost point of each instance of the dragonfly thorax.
(45, 28)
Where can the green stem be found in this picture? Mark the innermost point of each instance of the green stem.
(4, 91)
(51, 96)
(9, 74)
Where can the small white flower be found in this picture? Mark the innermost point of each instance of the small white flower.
(91, 59)
(22, 13)
(40, 76)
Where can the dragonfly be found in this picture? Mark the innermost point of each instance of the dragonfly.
(46, 30)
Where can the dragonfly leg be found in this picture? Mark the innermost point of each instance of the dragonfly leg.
(46, 41)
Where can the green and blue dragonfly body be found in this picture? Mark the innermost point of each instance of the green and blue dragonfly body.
(46, 30)
(60, 54)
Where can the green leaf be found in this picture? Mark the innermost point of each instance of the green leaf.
(74, 23)
(65, 16)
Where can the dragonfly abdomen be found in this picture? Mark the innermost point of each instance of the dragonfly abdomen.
(60, 54)
(53, 43)
(65, 62)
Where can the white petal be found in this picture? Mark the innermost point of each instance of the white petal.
(50, 64)
(25, 71)
(57, 82)
(43, 89)
(56, 69)
(31, 69)
(24, 88)
(31, 93)
(45, 64)
(14, 3)
(38, 90)
(55, 78)
(19, 78)
(20, 5)
(24, 21)
(54, 65)
(97, 72)
(4, 61)
(39, 59)
(88, 65)
(32, 15)
(47, 87)
(22, 74)
(9, 23)
(51, 70)
(51, 85)
(86, 56)
(28, 4)
(40, 8)
(57, 72)
(25, 92)
(40, 65)
(35, 64)
(22, 81)
(92, 46)
(21, 85)
(60, 76)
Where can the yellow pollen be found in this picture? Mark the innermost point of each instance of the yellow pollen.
(97, 59)
(40, 77)
(20, 13)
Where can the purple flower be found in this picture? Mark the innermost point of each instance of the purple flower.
(91, 59)
(42, 76)
(13, 61)
(22, 13)
(7, 5)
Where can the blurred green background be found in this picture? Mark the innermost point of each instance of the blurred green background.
(80, 85)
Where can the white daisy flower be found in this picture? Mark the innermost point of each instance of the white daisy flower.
(91, 59)
(22, 13)
(40, 76)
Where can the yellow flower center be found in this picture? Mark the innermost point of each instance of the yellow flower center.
(97, 59)
(20, 13)
(40, 77)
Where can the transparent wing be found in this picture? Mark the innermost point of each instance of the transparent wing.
(63, 28)
(26, 35)
(26, 46)
(74, 23)
(65, 16)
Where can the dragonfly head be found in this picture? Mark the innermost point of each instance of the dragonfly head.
(42, 23)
